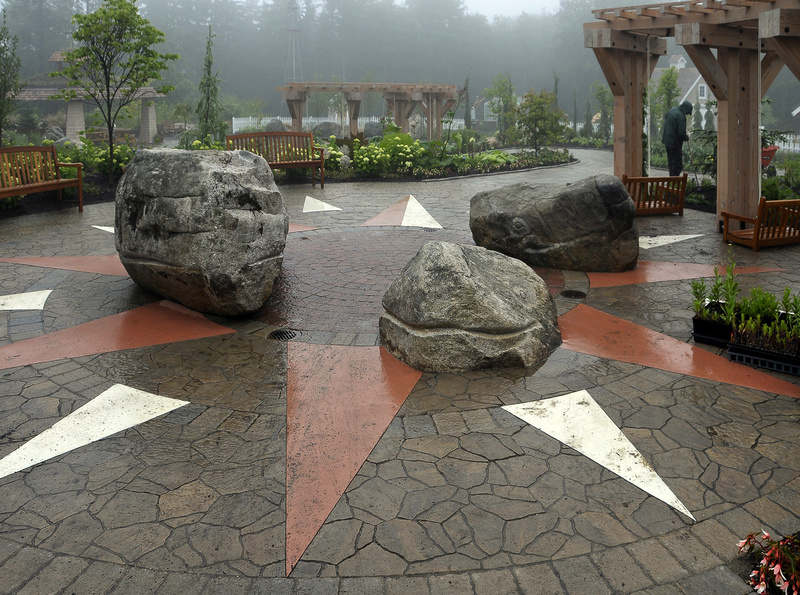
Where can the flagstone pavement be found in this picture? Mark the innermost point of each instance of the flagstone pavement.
(313, 462)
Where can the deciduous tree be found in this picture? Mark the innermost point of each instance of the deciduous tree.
(9, 76)
(540, 119)
(114, 60)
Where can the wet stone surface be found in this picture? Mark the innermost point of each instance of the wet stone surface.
(458, 496)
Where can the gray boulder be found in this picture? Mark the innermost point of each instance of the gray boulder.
(275, 125)
(585, 226)
(324, 130)
(204, 228)
(458, 307)
(373, 129)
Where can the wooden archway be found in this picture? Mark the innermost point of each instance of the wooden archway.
(739, 47)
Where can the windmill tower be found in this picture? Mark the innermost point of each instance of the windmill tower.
(297, 11)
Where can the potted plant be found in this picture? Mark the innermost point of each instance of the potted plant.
(758, 330)
(767, 333)
(715, 308)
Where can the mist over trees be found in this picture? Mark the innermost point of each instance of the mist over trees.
(261, 44)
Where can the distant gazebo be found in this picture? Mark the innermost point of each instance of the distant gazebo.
(76, 123)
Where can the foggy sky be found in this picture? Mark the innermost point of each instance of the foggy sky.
(511, 8)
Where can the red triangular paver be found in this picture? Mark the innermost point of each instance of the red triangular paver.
(155, 324)
(102, 265)
(653, 271)
(391, 216)
(340, 400)
(587, 330)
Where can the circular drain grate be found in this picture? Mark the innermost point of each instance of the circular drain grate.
(283, 334)
(573, 294)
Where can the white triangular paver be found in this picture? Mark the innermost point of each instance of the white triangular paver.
(312, 205)
(580, 423)
(417, 216)
(115, 410)
(109, 229)
(32, 300)
(646, 242)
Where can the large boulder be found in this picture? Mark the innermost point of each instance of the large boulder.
(373, 129)
(585, 226)
(458, 307)
(275, 125)
(204, 228)
(324, 130)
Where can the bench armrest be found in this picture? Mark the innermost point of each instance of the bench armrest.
(726, 215)
(78, 165)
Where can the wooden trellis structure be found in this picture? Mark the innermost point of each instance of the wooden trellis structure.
(433, 100)
(739, 47)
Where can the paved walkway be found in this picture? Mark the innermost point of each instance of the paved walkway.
(208, 456)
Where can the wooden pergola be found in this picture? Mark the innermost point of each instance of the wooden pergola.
(739, 47)
(433, 100)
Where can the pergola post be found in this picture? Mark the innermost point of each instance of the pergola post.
(76, 122)
(628, 61)
(147, 122)
(734, 76)
(296, 102)
(353, 110)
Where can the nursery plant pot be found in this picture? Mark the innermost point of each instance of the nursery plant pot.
(759, 358)
(711, 332)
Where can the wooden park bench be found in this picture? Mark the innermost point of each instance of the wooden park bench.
(28, 170)
(282, 150)
(777, 223)
(657, 195)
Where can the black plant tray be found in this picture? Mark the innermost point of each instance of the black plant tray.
(711, 333)
(764, 359)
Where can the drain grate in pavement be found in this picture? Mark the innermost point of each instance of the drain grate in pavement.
(573, 294)
(284, 334)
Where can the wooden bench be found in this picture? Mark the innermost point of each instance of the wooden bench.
(28, 170)
(282, 150)
(777, 223)
(657, 195)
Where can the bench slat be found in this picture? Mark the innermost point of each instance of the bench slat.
(28, 170)
(777, 223)
(657, 195)
(282, 150)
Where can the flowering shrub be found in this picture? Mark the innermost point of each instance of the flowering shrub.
(780, 562)
(95, 157)
(336, 158)
(206, 144)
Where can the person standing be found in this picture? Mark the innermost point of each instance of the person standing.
(674, 136)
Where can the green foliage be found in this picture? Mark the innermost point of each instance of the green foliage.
(113, 61)
(540, 119)
(396, 153)
(94, 158)
(10, 86)
(761, 320)
(209, 107)
(776, 189)
(791, 167)
(503, 104)
(605, 100)
(662, 98)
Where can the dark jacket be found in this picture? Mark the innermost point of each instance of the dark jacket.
(675, 125)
